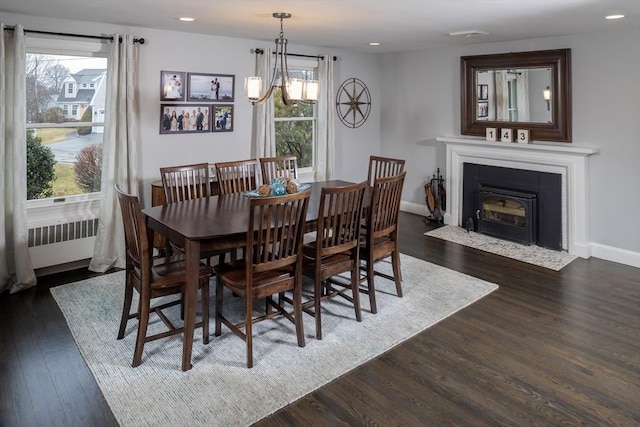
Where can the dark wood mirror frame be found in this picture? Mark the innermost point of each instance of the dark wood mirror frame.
(559, 61)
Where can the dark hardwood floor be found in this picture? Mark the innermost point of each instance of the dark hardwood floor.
(546, 349)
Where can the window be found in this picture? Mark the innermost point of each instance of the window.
(63, 158)
(295, 125)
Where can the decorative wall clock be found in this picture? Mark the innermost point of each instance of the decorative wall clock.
(353, 102)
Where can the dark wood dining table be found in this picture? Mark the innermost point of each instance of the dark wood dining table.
(216, 222)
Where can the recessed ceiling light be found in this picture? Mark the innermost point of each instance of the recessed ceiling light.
(614, 17)
(186, 19)
(468, 33)
(374, 44)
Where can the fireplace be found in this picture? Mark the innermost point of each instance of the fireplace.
(523, 206)
(569, 161)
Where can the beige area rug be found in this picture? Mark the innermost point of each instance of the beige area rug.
(547, 258)
(219, 390)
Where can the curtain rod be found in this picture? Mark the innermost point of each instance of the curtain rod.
(259, 51)
(85, 36)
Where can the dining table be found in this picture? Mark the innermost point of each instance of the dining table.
(211, 223)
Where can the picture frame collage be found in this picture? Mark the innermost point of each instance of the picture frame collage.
(196, 102)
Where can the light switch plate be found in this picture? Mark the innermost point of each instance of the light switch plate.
(492, 134)
(522, 137)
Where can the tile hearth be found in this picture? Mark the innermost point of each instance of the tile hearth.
(547, 258)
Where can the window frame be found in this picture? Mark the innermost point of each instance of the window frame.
(62, 206)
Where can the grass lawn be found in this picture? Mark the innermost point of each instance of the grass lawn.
(65, 184)
(51, 135)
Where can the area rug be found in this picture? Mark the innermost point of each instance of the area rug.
(547, 258)
(220, 390)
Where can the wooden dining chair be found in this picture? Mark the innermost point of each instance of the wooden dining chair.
(335, 249)
(188, 182)
(278, 167)
(153, 278)
(380, 234)
(185, 182)
(381, 167)
(238, 176)
(272, 265)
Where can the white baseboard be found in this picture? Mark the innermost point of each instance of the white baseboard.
(414, 208)
(609, 253)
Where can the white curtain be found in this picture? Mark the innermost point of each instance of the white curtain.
(264, 137)
(502, 96)
(16, 271)
(522, 98)
(119, 152)
(326, 120)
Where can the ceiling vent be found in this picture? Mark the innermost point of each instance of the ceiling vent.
(469, 33)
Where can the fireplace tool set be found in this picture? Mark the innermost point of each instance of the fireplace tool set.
(436, 196)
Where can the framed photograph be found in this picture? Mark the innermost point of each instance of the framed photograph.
(483, 109)
(185, 118)
(222, 118)
(483, 92)
(173, 85)
(211, 87)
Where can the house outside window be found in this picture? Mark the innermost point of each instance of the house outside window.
(57, 141)
(295, 125)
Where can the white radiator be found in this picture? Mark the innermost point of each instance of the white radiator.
(62, 232)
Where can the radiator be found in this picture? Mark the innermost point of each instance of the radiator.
(62, 243)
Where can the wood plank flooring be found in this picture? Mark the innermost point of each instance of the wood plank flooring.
(546, 349)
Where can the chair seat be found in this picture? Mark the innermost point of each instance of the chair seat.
(329, 265)
(168, 272)
(264, 283)
(380, 244)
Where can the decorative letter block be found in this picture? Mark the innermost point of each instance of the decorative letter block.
(506, 135)
(492, 134)
(522, 136)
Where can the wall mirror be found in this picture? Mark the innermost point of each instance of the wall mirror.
(518, 90)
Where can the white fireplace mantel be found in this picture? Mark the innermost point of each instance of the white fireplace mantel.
(568, 160)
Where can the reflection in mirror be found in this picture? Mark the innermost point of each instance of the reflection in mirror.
(514, 95)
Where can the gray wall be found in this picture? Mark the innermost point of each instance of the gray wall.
(415, 98)
(422, 101)
(178, 51)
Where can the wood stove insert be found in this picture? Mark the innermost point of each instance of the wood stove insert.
(514, 204)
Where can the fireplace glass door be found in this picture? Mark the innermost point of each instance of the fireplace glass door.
(507, 214)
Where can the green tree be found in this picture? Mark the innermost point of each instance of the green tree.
(88, 168)
(294, 137)
(53, 115)
(40, 173)
(86, 117)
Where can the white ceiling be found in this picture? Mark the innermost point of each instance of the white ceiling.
(398, 25)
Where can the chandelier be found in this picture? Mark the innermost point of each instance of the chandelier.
(294, 90)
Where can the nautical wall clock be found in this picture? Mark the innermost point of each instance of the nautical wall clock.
(353, 102)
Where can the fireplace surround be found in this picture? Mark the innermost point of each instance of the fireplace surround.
(570, 161)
